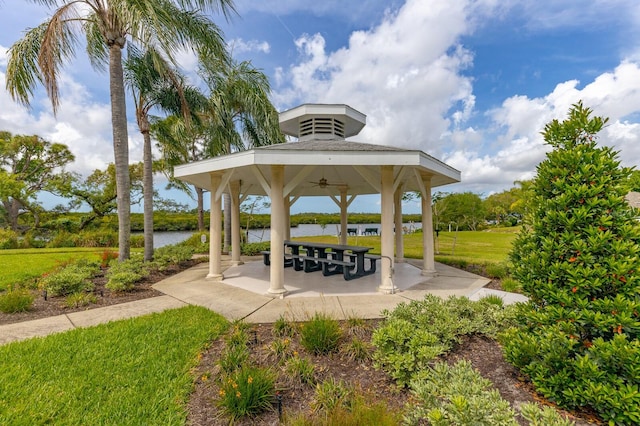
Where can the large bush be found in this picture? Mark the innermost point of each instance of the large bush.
(578, 258)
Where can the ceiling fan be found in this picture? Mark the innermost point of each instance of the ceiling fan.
(323, 183)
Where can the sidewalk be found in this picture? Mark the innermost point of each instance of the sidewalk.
(245, 299)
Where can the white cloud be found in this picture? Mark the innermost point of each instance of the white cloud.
(405, 74)
(238, 45)
(82, 123)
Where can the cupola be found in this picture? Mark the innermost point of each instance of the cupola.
(322, 122)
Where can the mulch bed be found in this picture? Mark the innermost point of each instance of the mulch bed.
(53, 306)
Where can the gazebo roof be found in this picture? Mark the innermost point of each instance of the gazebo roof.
(309, 163)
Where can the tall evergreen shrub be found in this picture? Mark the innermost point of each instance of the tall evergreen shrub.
(578, 258)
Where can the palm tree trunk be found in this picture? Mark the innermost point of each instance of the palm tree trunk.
(121, 150)
(226, 247)
(200, 198)
(147, 186)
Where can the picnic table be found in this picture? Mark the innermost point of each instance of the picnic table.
(332, 258)
(350, 261)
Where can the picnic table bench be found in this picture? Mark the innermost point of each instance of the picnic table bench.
(370, 231)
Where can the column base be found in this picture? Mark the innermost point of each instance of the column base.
(429, 273)
(218, 277)
(387, 287)
(277, 292)
(237, 262)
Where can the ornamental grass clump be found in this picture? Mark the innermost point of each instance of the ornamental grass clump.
(15, 300)
(578, 259)
(247, 391)
(321, 334)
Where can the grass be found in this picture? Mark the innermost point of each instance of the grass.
(127, 372)
(22, 265)
(479, 247)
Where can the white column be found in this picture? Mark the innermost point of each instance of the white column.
(287, 217)
(343, 215)
(277, 231)
(397, 212)
(215, 230)
(234, 189)
(428, 261)
(386, 238)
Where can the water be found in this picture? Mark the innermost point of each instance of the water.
(307, 230)
(161, 239)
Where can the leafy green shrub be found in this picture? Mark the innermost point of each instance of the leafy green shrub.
(457, 395)
(15, 300)
(77, 300)
(73, 278)
(122, 276)
(497, 270)
(247, 391)
(578, 259)
(8, 239)
(254, 249)
(545, 416)
(301, 369)
(195, 242)
(321, 334)
(414, 334)
(171, 255)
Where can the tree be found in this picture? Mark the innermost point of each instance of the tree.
(578, 259)
(98, 192)
(29, 165)
(503, 205)
(154, 84)
(464, 209)
(107, 25)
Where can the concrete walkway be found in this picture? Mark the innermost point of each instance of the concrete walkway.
(239, 297)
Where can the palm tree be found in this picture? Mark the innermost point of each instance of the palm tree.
(169, 25)
(239, 116)
(246, 118)
(154, 84)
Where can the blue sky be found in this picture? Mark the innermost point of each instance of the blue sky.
(469, 82)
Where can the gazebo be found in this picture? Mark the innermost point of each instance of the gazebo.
(320, 163)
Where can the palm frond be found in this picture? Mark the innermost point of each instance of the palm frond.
(23, 72)
(58, 44)
(96, 46)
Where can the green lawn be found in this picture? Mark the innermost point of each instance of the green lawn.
(479, 247)
(21, 265)
(130, 372)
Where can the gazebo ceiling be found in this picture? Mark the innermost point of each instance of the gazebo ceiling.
(312, 163)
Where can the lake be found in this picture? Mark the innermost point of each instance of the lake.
(257, 235)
